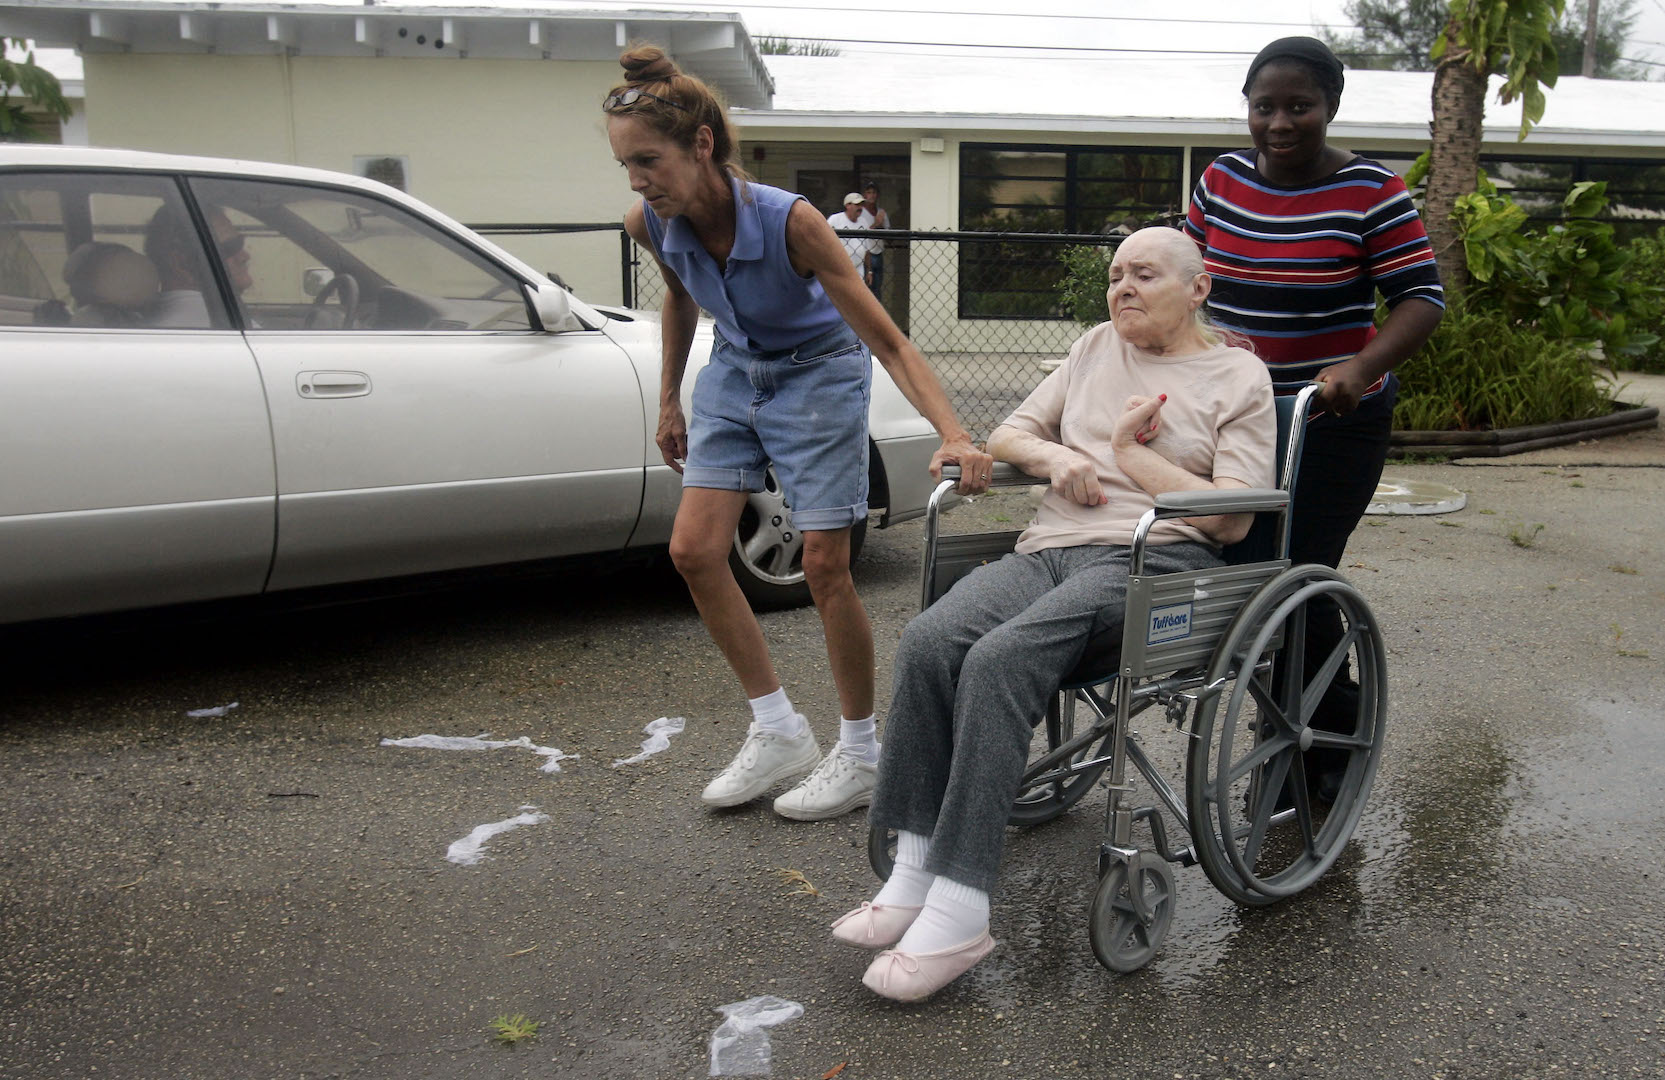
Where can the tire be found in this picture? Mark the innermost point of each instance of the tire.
(1122, 941)
(1256, 843)
(881, 851)
(1040, 802)
(768, 552)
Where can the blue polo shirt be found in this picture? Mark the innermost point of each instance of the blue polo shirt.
(760, 303)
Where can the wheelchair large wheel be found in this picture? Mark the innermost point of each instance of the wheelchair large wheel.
(881, 851)
(1123, 939)
(1260, 832)
(1043, 794)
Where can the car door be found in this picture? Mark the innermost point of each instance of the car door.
(420, 422)
(137, 459)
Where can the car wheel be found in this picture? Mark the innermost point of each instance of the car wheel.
(768, 553)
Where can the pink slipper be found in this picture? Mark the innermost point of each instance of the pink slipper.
(904, 976)
(874, 926)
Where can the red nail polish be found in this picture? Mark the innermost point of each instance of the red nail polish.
(1163, 397)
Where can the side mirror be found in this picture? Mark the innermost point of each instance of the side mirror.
(314, 278)
(553, 309)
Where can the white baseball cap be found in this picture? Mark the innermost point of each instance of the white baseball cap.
(853, 197)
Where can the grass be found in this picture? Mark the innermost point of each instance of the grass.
(1525, 536)
(1621, 568)
(511, 1030)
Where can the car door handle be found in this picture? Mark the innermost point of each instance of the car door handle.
(320, 384)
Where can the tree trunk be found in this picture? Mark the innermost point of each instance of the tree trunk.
(1454, 160)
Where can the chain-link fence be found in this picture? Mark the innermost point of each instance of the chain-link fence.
(984, 308)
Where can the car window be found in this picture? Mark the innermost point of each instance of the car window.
(102, 250)
(322, 258)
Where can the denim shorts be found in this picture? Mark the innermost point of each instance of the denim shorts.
(803, 409)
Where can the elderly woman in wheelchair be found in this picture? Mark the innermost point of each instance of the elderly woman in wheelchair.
(1148, 430)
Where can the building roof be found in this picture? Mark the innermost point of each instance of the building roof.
(931, 92)
(956, 92)
(711, 44)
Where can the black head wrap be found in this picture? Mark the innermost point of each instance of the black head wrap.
(1311, 54)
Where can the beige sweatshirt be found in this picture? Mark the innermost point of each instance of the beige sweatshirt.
(1218, 422)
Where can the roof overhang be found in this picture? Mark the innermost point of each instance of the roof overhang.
(713, 45)
(757, 123)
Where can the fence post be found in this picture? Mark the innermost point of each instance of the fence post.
(627, 285)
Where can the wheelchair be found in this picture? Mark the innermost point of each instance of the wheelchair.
(1221, 653)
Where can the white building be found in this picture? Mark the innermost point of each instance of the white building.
(492, 114)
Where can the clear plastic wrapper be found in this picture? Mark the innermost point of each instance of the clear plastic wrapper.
(659, 734)
(740, 1045)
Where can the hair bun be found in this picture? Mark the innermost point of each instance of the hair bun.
(647, 64)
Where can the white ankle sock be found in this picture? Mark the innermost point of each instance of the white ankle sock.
(953, 915)
(859, 739)
(908, 882)
(773, 712)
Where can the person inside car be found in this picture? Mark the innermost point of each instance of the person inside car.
(171, 245)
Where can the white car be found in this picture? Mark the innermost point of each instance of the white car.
(225, 378)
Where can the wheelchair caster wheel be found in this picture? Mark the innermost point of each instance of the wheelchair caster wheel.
(881, 851)
(1122, 940)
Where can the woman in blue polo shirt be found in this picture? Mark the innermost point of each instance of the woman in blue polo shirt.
(787, 384)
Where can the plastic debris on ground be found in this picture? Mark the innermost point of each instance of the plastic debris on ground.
(659, 734)
(740, 1045)
(467, 851)
(218, 710)
(481, 742)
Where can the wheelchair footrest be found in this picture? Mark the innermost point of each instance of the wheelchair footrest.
(1185, 856)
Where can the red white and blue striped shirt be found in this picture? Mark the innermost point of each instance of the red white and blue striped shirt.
(1296, 270)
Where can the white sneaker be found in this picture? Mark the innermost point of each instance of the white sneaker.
(838, 785)
(766, 758)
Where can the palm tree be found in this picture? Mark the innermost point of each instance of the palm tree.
(1513, 37)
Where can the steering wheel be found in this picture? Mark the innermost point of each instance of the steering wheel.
(345, 288)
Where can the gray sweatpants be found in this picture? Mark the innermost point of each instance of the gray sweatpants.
(972, 676)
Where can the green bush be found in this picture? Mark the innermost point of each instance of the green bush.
(1568, 280)
(1083, 294)
(1480, 370)
(1647, 271)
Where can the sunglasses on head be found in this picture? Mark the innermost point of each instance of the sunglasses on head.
(230, 246)
(626, 98)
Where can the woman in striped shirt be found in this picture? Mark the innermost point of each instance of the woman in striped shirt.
(1299, 237)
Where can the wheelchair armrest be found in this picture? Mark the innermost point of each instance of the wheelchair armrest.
(1209, 503)
(1002, 475)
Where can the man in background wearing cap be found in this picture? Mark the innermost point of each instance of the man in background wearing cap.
(855, 216)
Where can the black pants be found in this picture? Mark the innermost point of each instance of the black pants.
(1341, 465)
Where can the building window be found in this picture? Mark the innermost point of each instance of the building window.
(1635, 188)
(1050, 189)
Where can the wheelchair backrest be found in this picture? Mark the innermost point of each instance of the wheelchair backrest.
(1267, 539)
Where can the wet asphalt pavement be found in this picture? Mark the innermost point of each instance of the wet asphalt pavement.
(266, 894)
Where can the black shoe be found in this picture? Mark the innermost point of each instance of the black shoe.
(1325, 787)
